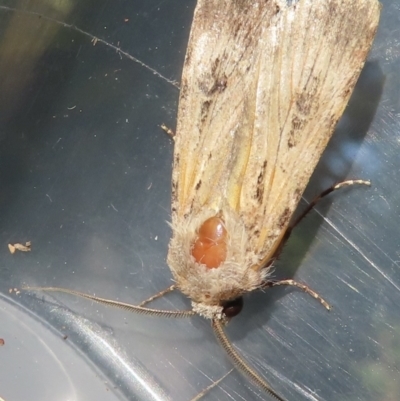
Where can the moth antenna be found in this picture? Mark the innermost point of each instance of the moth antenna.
(212, 385)
(131, 308)
(239, 362)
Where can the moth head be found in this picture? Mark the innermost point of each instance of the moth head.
(233, 307)
(223, 311)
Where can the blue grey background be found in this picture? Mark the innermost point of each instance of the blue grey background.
(85, 175)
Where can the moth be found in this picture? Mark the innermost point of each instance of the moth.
(264, 84)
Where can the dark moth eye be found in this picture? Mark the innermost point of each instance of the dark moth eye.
(233, 307)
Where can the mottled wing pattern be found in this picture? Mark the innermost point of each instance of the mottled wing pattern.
(259, 104)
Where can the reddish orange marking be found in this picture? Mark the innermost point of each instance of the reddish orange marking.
(209, 248)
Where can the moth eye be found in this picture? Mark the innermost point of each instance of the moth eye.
(210, 246)
(233, 307)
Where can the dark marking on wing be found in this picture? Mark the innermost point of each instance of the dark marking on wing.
(190, 212)
(174, 192)
(284, 218)
(260, 183)
(303, 103)
(204, 110)
(297, 194)
(219, 85)
(306, 99)
(198, 185)
(184, 90)
(213, 81)
(297, 126)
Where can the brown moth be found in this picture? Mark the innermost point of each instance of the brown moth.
(263, 85)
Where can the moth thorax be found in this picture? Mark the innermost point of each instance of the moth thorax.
(210, 245)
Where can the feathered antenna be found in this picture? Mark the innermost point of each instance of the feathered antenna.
(131, 308)
(239, 362)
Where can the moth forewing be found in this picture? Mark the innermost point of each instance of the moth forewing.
(263, 86)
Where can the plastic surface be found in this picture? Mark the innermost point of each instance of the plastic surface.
(85, 175)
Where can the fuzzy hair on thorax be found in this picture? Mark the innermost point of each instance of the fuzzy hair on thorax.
(207, 288)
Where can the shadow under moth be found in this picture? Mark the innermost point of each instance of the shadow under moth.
(264, 84)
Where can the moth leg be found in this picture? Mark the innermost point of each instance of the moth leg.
(158, 295)
(311, 206)
(303, 287)
(168, 130)
(318, 198)
(295, 223)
